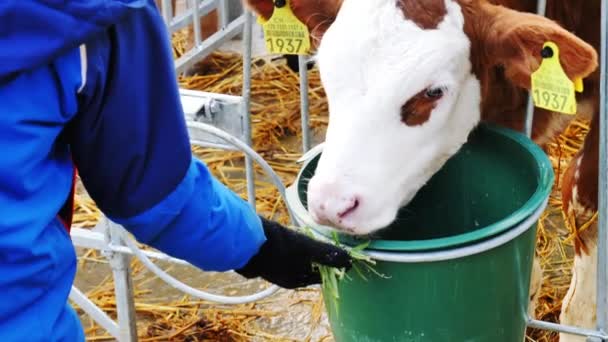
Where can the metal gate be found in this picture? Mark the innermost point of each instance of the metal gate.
(217, 120)
(601, 332)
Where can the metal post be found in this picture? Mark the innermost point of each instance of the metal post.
(304, 107)
(224, 12)
(94, 311)
(167, 12)
(123, 286)
(529, 117)
(249, 171)
(541, 9)
(592, 335)
(602, 272)
(196, 23)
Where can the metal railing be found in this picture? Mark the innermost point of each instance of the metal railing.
(223, 121)
(227, 28)
(602, 274)
(600, 334)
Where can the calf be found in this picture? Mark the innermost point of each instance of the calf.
(408, 80)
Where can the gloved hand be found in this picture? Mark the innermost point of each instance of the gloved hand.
(286, 258)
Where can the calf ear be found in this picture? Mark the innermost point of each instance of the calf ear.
(318, 15)
(515, 39)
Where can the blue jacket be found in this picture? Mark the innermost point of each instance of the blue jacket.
(90, 84)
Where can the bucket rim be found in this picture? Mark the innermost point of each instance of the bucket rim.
(455, 253)
(541, 194)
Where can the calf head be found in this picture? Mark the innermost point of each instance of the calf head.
(404, 82)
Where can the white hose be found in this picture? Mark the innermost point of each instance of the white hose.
(186, 288)
(232, 140)
(180, 285)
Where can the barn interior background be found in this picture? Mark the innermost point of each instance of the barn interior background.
(164, 313)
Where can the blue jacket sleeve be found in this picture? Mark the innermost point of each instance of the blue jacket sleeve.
(131, 147)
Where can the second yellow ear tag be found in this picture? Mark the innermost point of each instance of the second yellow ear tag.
(285, 33)
(551, 87)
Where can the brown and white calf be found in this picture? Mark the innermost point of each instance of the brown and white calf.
(407, 81)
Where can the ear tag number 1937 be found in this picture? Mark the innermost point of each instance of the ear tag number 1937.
(284, 33)
(551, 87)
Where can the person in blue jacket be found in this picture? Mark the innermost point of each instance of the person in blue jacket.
(89, 85)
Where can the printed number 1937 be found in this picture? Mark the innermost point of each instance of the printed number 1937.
(549, 99)
(287, 45)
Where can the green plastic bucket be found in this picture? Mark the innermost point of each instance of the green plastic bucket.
(459, 257)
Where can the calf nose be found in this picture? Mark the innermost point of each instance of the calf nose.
(330, 203)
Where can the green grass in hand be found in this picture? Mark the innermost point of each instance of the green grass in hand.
(331, 277)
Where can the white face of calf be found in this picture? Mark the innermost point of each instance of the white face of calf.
(402, 100)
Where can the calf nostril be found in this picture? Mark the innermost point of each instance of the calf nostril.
(353, 206)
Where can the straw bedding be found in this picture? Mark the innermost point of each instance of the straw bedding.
(276, 136)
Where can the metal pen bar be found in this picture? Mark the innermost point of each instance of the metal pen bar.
(184, 19)
(304, 104)
(123, 288)
(541, 9)
(196, 22)
(224, 12)
(536, 324)
(247, 41)
(86, 238)
(209, 45)
(167, 12)
(94, 311)
(602, 272)
(217, 146)
(529, 117)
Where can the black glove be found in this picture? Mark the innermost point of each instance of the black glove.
(286, 258)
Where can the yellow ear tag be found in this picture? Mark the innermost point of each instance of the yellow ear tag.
(285, 33)
(551, 87)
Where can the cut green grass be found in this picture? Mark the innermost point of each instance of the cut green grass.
(331, 277)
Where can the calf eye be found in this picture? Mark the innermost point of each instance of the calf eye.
(417, 110)
(434, 93)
